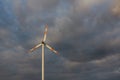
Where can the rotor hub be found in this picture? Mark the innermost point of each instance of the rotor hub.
(43, 42)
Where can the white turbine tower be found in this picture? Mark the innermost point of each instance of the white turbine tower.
(43, 44)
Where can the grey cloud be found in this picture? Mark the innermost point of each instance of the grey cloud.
(116, 8)
(86, 36)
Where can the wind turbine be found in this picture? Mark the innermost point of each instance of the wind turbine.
(43, 44)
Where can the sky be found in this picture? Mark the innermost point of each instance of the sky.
(86, 33)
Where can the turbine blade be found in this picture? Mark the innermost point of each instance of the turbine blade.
(34, 48)
(45, 32)
(52, 49)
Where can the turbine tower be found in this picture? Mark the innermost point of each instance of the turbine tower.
(43, 44)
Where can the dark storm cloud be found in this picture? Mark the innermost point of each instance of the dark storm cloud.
(90, 35)
(86, 34)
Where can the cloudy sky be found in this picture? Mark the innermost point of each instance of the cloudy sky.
(86, 33)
